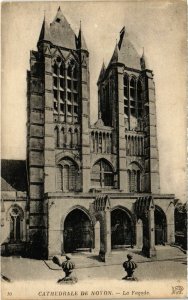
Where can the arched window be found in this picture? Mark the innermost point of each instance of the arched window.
(69, 138)
(126, 86)
(102, 174)
(104, 142)
(133, 181)
(69, 71)
(59, 186)
(133, 102)
(75, 72)
(126, 95)
(72, 92)
(129, 180)
(96, 141)
(134, 178)
(62, 137)
(92, 142)
(62, 70)
(132, 88)
(128, 146)
(139, 90)
(16, 226)
(132, 97)
(65, 92)
(100, 143)
(139, 98)
(76, 137)
(59, 89)
(138, 180)
(56, 137)
(66, 175)
(55, 69)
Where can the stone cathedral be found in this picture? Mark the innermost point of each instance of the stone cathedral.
(89, 187)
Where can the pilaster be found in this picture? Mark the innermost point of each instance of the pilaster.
(85, 143)
(151, 176)
(121, 132)
(49, 145)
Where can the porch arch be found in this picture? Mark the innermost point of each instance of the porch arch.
(78, 230)
(160, 226)
(122, 228)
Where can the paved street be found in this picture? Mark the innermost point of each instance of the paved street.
(169, 263)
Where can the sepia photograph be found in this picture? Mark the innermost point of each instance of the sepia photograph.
(93, 150)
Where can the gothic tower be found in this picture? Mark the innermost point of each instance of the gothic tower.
(58, 151)
(127, 103)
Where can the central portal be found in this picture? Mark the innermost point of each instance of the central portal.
(121, 229)
(78, 232)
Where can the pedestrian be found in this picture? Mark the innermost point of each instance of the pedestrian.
(129, 267)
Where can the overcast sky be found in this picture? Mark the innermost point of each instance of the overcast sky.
(158, 26)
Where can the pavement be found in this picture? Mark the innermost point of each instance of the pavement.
(117, 257)
(170, 263)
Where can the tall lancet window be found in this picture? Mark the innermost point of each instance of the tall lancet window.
(59, 90)
(62, 92)
(65, 91)
(133, 97)
(134, 178)
(102, 174)
(126, 95)
(139, 98)
(133, 102)
(67, 175)
(72, 93)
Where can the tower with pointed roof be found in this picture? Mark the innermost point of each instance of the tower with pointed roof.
(58, 118)
(127, 103)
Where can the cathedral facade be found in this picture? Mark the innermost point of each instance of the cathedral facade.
(92, 187)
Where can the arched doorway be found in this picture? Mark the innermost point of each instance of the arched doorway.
(160, 226)
(121, 229)
(78, 232)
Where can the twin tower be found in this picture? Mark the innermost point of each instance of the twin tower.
(66, 155)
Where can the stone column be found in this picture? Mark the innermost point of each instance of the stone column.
(107, 232)
(139, 234)
(151, 225)
(97, 237)
(170, 224)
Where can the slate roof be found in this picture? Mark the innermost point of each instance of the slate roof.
(5, 186)
(125, 52)
(102, 72)
(81, 39)
(59, 32)
(13, 175)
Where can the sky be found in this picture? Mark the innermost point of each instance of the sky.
(158, 26)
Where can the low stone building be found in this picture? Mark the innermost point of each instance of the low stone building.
(13, 207)
(92, 187)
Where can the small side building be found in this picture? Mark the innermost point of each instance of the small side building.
(13, 207)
